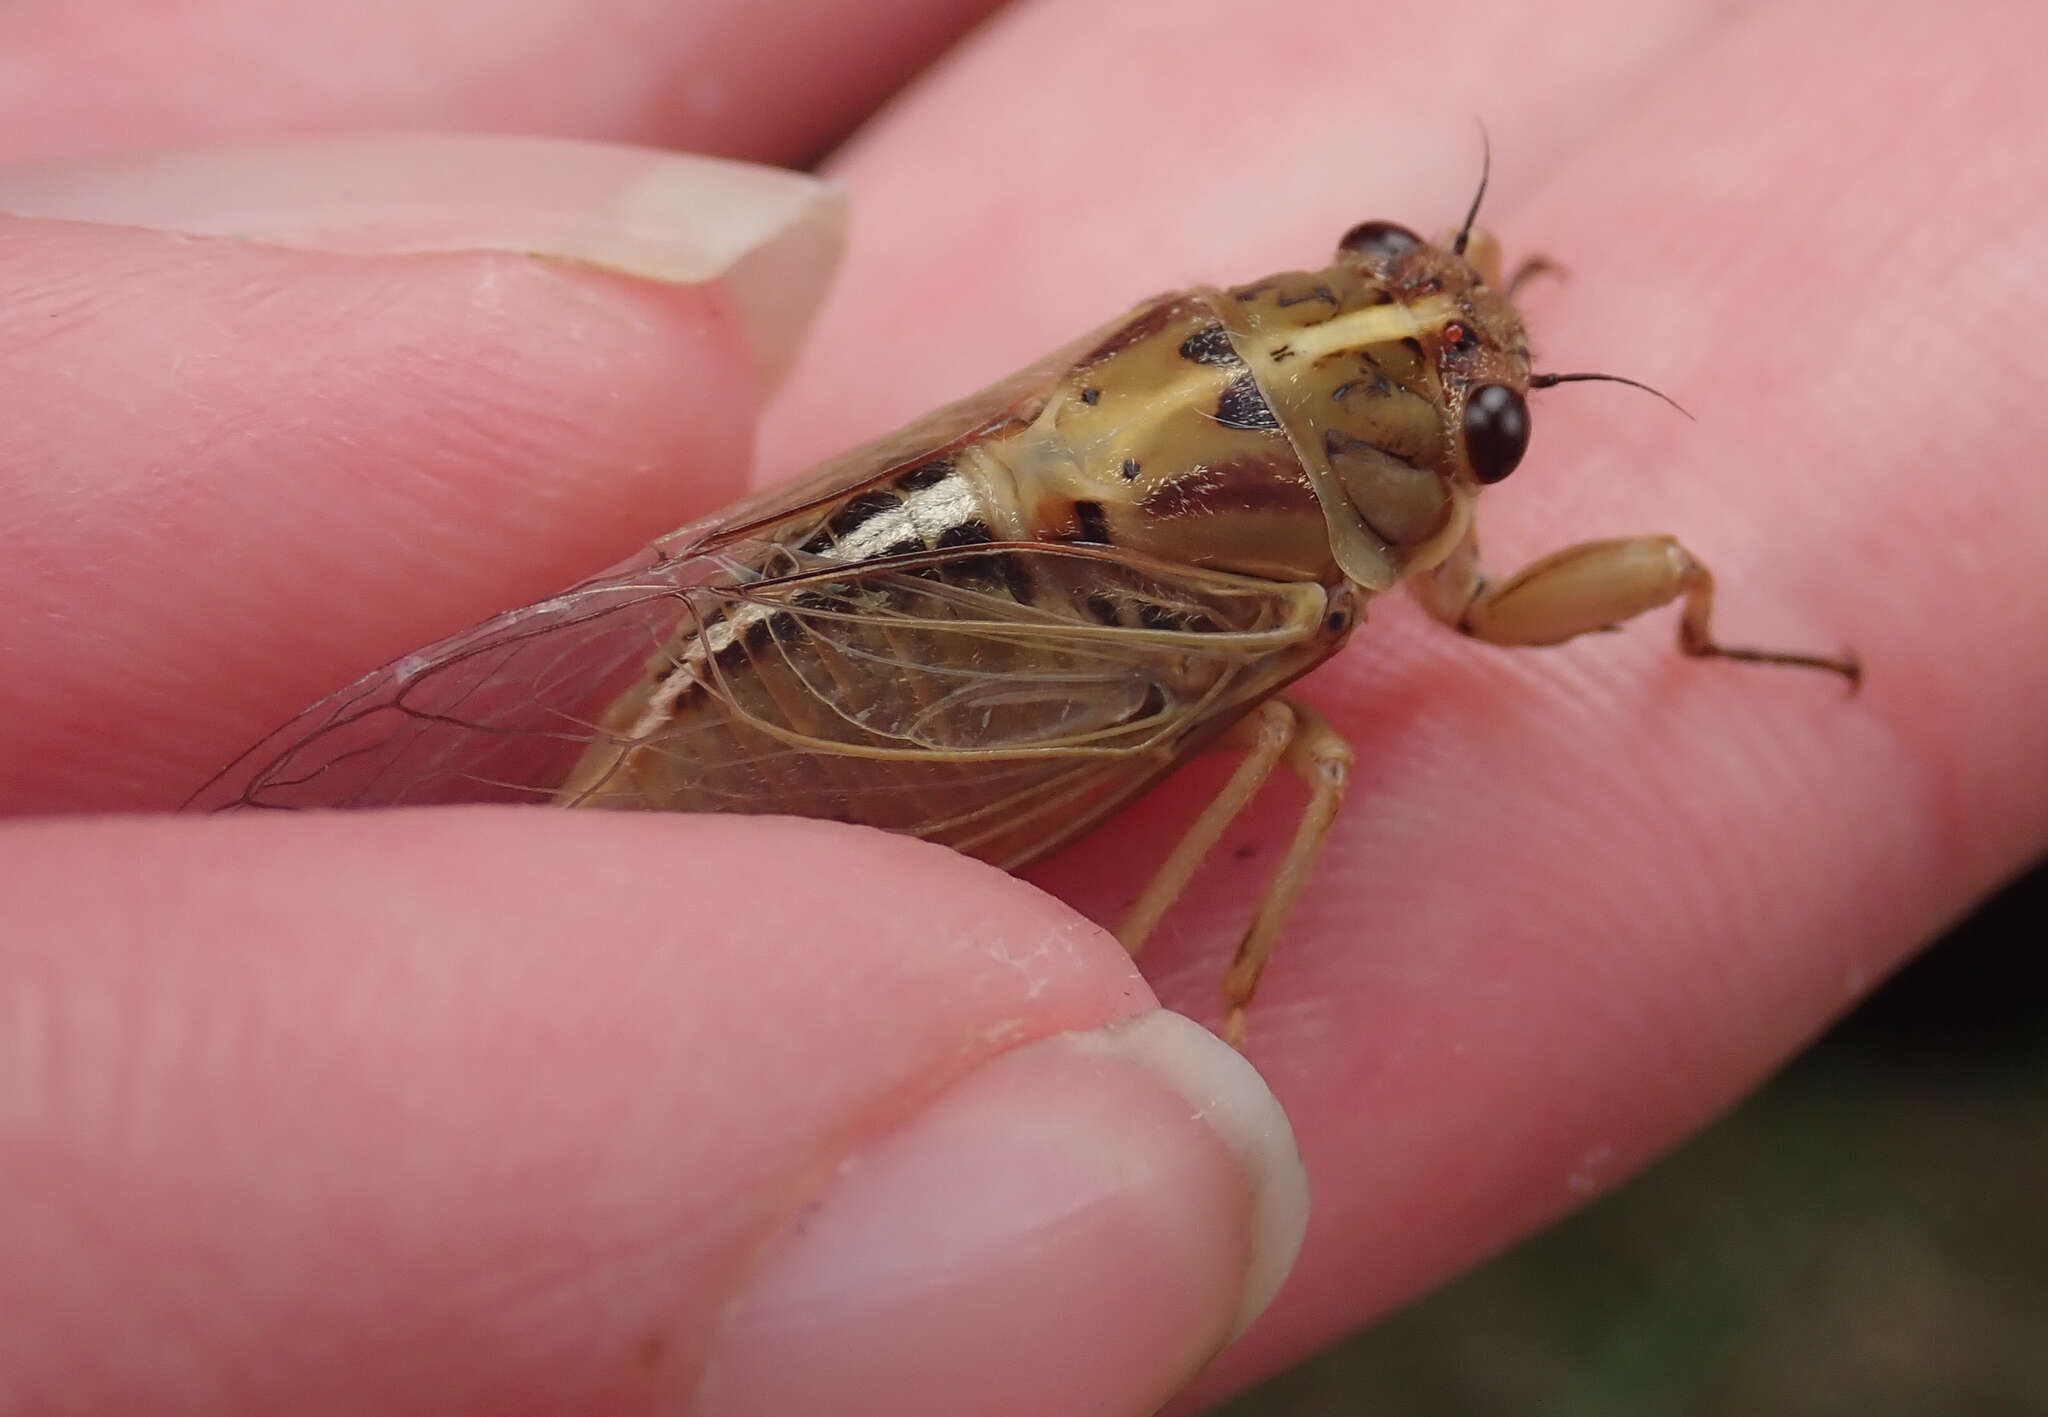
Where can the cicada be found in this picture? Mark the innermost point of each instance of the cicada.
(998, 626)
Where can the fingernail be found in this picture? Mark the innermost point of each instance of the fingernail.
(1076, 1226)
(771, 237)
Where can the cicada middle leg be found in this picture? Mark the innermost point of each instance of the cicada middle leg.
(1279, 731)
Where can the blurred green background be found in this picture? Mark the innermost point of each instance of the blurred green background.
(1868, 1235)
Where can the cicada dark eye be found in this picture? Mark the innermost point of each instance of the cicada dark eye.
(1381, 240)
(1496, 431)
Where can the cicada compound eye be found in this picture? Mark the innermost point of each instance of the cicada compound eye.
(1496, 431)
(1380, 240)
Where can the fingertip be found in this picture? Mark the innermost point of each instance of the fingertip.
(1078, 1225)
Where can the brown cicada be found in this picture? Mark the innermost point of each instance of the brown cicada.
(1003, 623)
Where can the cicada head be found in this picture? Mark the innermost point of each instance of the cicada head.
(1401, 375)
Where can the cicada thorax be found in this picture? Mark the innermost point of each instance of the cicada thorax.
(1306, 426)
(1368, 364)
(1159, 440)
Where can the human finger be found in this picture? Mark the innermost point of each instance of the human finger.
(450, 376)
(480, 1109)
(774, 82)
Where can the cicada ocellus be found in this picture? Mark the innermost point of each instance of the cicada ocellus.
(998, 626)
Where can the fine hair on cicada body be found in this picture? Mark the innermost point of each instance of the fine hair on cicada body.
(997, 626)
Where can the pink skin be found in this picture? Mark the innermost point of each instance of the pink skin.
(775, 83)
(1581, 898)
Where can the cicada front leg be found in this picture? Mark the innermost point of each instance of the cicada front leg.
(1278, 731)
(1596, 585)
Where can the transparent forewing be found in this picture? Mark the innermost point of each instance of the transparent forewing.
(996, 698)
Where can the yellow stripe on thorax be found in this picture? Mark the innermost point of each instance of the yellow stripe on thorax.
(1375, 324)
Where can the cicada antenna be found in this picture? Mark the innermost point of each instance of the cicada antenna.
(1544, 381)
(1472, 212)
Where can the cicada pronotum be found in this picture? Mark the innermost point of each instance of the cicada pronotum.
(1003, 623)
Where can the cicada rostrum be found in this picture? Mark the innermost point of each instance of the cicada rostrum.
(998, 626)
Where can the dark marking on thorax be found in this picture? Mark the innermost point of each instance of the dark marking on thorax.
(1210, 345)
(1242, 406)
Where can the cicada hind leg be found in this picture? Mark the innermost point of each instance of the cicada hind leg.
(1278, 731)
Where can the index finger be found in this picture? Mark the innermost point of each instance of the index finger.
(241, 473)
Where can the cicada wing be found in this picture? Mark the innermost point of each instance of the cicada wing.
(997, 698)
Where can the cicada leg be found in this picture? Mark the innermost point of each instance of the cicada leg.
(1318, 755)
(1595, 586)
(1279, 731)
(1264, 735)
(1531, 268)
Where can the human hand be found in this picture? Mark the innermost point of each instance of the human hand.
(1473, 1024)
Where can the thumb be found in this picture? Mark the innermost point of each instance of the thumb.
(481, 1110)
